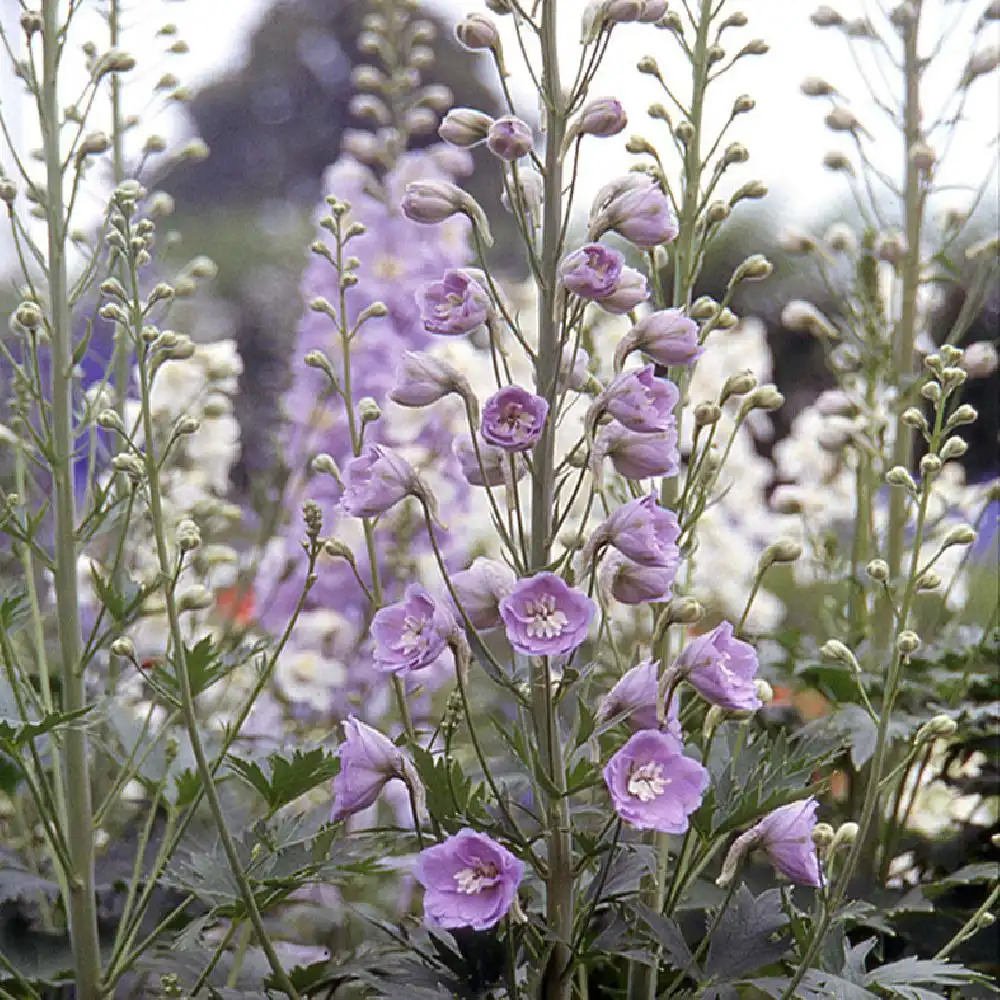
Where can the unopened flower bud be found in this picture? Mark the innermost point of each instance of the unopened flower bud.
(465, 127)
(713, 717)
(312, 516)
(334, 548)
(28, 315)
(878, 570)
(755, 268)
(477, 32)
(717, 212)
(743, 104)
(764, 397)
(684, 611)
(196, 598)
(704, 307)
(706, 414)
(123, 647)
(323, 464)
(129, 465)
(846, 834)
(813, 86)
(8, 191)
(899, 476)
(822, 836)
(931, 391)
(784, 550)
(752, 190)
(907, 642)
(941, 727)
(952, 377)
(109, 420)
(835, 160)
(964, 414)
(188, 535)
(930, 465)
(602, 117)
(187, 425)
(735, 152)
(738, 385)
(929, 580)
(368, 410)
(912, 417)
(834, 651)
(962, 534)
(509, 138)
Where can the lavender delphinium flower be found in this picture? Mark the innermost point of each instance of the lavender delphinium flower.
(628, 293)
(785, 835)
(494, 461)
(465, 127)
(509, 138)
(641, 530)
(592, 272)
(721, 668)
(480, 588)
(636, 455)
(422, 379)
(375, 481)
(455, 305)
(653, 785)
(368, 761)
(636, 208)
(667, 336)
(602, 117)
(632, 583)
(636, 695)
(544, 616)
(469, 880)
(640, 401)
(513, 418)
(412, 634)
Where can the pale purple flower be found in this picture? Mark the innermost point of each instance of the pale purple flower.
(477, 31)
(422, 379)
(412, 634)
(592, 272)
(652, 10)
(465, 127)
(628, 293)
(513, 418)
(368, 761)
(574, 371)
(509, 138)
(375, 481)
(667, 336)
(653, 785)
(480, 588)
(428, 202)
(721, 668)
(636, 455)
(632, 583)
(640, 401)
(642, 531)
(785, 835)
(603, 117)
(635, 207)
(455, 305)
(635, 696)
(495, 466)
(544, 616)
(469, 880)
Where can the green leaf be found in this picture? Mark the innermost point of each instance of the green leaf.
(282, 780)
(907, 977)
(16, 730)
(751, 934)
(668, 936)
(859, 731)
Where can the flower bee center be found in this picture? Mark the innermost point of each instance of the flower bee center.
(647, 782)
(546, 620)
(473, 880)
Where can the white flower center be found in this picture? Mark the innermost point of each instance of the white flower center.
(647, 782)
(412, 636)
(547, 622)
(473, 880)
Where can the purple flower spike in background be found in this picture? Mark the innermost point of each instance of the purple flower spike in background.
(481, 587)
(544, 616)
(721, 669)
(639, 456)
(469, 880)
(643, 531)
(632, 583)
(667, 336)
(636, 695)
(653, 785)
(368, 761)
(592, 272)
(513, 418)
(640, 401)
(509, 138)
(375, 481)
(412, 634)
(453, 306)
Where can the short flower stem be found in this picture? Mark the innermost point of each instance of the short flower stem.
(973, 924)
(80, 832)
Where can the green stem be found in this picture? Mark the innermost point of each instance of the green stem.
(80, 831)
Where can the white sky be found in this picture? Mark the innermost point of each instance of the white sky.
(785, 134)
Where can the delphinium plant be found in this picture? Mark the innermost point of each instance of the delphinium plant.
(558, 768)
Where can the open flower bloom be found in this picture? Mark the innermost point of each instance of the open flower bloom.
(469, 880)
(640, 401)
(375, 481)
(592, 272)
(641, 530)
(544, 616)
(721, 669)
(653, 785)
(455, 305)
(480, 588)
(785, 836)
(636, 455)
(368, 762)
(632, 583)
(513, 418)
(636, 696)
(412, 634)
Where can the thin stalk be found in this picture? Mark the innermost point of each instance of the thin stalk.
(558, 983)
(80, 830)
